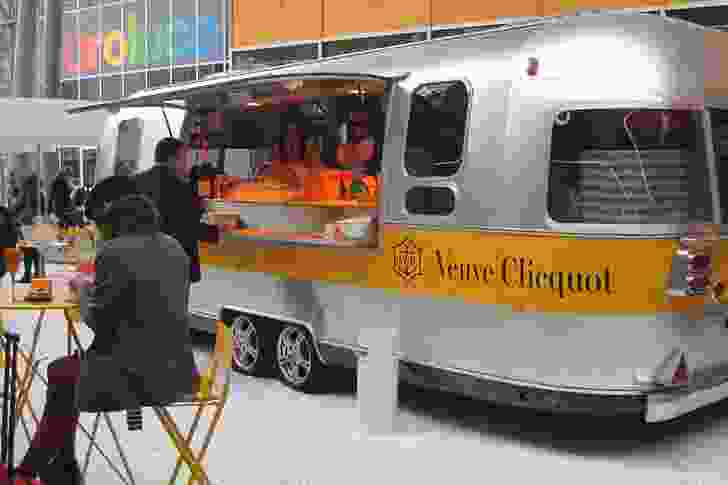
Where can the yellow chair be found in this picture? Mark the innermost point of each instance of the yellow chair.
(213, 393)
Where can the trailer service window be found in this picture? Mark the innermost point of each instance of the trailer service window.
(619, 166)
(306, 155)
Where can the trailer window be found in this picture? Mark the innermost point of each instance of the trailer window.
(436, 131)
(628, 167)
(719, 122)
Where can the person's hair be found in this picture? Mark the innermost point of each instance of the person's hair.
(167, 149)
(132, 214)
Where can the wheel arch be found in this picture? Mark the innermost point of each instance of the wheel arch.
(231, 312)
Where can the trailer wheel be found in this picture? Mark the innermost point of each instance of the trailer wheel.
(298, 364)
(251, 352)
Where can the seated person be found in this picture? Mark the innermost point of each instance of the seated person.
(138, 299)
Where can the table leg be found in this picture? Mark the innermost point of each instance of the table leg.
(27, 379)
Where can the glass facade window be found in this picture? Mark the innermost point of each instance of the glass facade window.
(211, 31)
(69, 89)
(114, 46)
(256, 59)
(89, 42)
(183, 37)
(89, 89)
(111, 87)
(87, 3)
(159, 34)
(89, 166)
(135, 82)
(158, 78)
(353, 45)
(69, 4)
(184, 74)
(71, 158)
(135, 28)
(71, 57)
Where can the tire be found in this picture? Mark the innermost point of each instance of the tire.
(252, 349)
(297, 362)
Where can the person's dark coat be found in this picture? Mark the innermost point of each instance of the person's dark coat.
(137, 309)
(107, 191)
(27, 207)
(179, 208)
(60, 198)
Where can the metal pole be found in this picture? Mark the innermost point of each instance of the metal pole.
(24, 64)
(25, 55)
(53, 47)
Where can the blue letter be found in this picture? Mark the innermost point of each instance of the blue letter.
(184, 40)
(210, 40)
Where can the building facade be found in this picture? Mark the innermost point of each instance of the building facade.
(114, 48)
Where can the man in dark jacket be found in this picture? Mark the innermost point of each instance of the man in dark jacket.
(125, 365)
(61, 196)
(175, 198)
(109, 190)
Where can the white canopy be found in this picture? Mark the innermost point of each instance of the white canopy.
(26, 123)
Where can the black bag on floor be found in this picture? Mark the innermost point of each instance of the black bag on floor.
(9, 421)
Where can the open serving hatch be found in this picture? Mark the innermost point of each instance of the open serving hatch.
(304, 150)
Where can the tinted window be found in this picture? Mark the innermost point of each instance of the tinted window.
(158, 78)
(111, 87)
(436, 131)
(719, 121)
(258, 59)
(346, 46)
(89, 89)
(135, 82)
(430, 201)
(69, 89)
(628, 167)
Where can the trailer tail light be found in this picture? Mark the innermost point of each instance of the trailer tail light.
(681, 376)
(532, 69)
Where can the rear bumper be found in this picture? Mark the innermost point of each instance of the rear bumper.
(663, 406)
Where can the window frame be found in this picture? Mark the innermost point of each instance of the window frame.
(466, 131)
(711, 148)
(639, 230)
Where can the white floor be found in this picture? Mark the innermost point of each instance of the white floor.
(271, 435)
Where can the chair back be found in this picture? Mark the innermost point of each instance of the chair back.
(13, 256)
(215, 379)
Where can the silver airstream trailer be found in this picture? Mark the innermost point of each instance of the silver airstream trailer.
(523, 239)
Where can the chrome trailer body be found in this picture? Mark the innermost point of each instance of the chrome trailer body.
(551, 360)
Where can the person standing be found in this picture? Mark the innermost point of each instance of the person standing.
(61, 197)
(175, 198)
(25, 212)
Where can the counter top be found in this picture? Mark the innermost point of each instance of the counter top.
(281, 237)
(293, 202)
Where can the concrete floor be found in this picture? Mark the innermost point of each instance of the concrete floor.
(272, 435)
